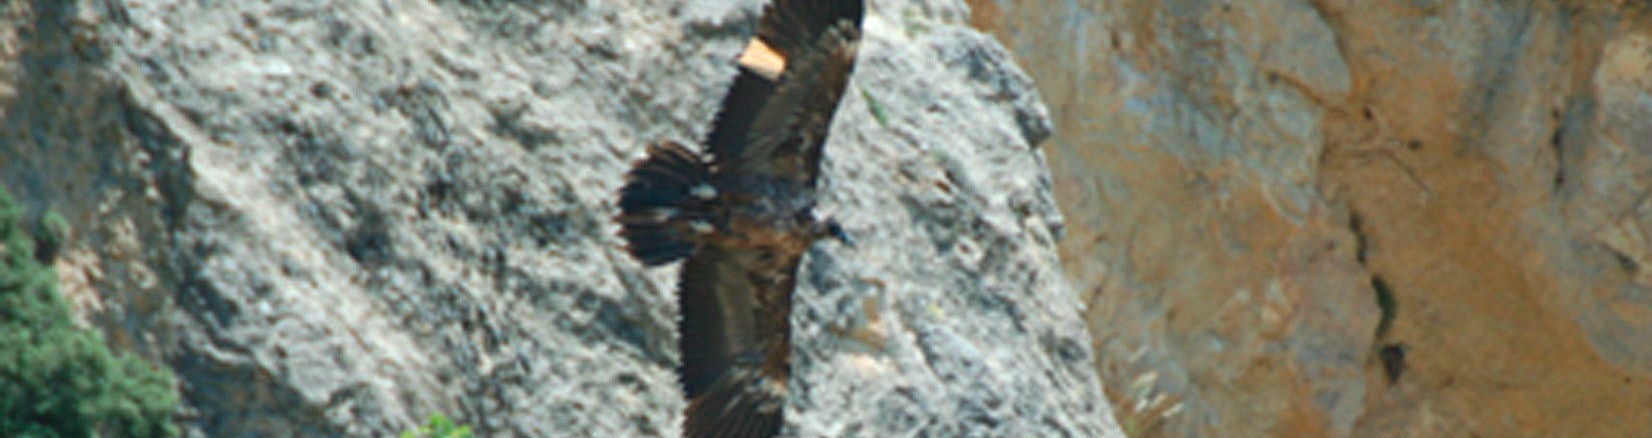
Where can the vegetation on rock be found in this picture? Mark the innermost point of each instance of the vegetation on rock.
(57, 379)
(439, 427)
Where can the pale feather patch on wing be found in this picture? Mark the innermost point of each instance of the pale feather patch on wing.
(761, 58)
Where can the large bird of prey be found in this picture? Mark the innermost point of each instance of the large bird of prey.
(742, 214)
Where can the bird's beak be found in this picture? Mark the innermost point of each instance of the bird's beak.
(836, 231)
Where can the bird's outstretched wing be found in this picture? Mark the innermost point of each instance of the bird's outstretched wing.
(718, 303)
(774, 120)
(735, 304)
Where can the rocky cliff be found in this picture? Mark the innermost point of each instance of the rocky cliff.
(1355, 218)
(341, 218)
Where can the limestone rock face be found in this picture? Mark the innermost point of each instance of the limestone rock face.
(1274, 206)
(339, 218)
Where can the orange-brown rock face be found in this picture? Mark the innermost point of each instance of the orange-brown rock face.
(1350, 218)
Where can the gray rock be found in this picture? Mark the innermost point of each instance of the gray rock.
(340, 218)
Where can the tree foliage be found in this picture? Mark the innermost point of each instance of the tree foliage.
(58, 380)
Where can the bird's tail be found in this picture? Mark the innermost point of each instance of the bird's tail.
(742, 404)
(664, 202)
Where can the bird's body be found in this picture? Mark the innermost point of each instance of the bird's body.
(742, 215)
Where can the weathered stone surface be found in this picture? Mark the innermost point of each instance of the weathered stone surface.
(1242, 179)
(340, 218)
(957, 253)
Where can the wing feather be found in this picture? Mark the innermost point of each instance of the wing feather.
(741, 106)
(793, 26)
(777, 127)
(718, 327)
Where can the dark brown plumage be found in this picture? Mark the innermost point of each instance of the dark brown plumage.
(742, 214)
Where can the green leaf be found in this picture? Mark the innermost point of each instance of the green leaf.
(878, 113)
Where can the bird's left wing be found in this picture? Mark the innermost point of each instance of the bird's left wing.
(775, 118)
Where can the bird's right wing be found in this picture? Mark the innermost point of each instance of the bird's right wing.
(726, 333)
(718, 302)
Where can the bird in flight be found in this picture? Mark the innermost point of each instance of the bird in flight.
(742, 214)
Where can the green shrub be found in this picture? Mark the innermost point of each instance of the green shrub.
(439, 427)
(58, 380)
(49, 236)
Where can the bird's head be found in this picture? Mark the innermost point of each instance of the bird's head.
(831, 228)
